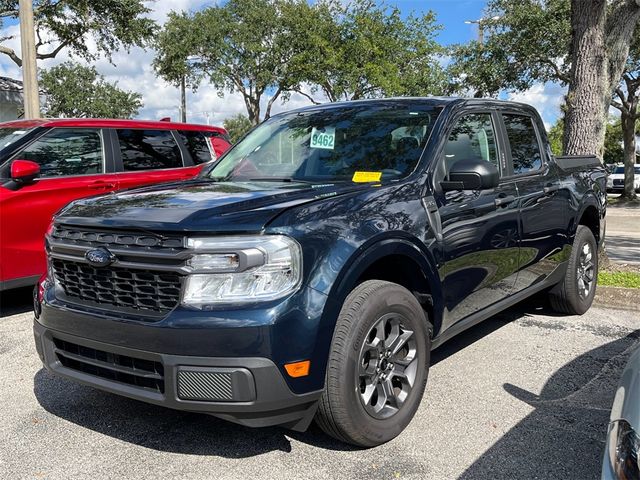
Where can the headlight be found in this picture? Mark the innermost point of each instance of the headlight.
(241, 269)
(623, 450)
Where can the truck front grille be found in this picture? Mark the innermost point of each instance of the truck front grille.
(146, 374)
(143, 282)
(151, 292)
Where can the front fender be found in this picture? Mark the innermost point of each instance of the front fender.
(355, 263)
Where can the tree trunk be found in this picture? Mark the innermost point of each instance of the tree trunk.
(253, 109)
(588, 97)
(599, 51)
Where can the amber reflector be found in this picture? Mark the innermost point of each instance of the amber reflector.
(298, 369)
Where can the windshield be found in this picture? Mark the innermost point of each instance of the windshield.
(359, 143)
(9, 135)
(620, 170)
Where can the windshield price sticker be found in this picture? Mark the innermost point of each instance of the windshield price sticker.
(323, 137)
(364, 177)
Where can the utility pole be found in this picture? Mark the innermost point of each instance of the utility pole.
(183, 99)
(29, 69)
(481, 22)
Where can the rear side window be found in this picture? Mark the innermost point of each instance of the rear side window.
(148, 150)
(472, 137)
(523, 141)
(65, 152)
(198, 145)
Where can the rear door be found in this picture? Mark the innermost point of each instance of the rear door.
(148, 156)
(198, 146)
(543, 216)
(480, 228)
(73, 165)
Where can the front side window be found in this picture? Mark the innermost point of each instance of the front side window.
(66, 151)
(523, 141)
(198, 145)
(148, 150)
(8, 135)
(354, 143)
(472, 137)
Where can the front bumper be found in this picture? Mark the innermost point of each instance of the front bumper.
(246, 390)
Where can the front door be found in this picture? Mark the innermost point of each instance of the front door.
(480, 242)
(72, 166)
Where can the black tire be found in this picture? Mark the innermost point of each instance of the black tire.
(342, 412)
(569, 296)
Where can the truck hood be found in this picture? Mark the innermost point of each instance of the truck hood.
(198, 206)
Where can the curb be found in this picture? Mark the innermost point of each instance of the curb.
(618, 297)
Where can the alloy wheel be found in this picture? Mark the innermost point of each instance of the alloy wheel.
(387, 366)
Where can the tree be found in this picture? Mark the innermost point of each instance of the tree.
(272, 48)
(244, 46)
(626, 99)
(237, 126)
(528, 42)
(73, 90)
(69, 24)
(359, 49)
(613, 151)
(174, 45)
(580, 43)
(602, 33)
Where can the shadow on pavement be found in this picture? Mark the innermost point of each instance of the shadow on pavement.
(162, 429)
(563, 436)
(14, 301)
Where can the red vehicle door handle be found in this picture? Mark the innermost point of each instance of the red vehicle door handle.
(101, 185)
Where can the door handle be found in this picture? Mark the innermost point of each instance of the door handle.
(100, 185)
(504, 201)
(550, 189)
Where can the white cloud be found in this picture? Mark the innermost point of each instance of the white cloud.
(545, 97)
(133, 71)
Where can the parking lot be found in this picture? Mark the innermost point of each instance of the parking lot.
(524, 395)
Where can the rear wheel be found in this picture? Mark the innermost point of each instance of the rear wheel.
(574, 294)
(378, 365)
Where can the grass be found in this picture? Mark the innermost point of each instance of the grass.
(619, 279)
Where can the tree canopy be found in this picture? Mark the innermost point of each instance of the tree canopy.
(70, 24)
(237, 126)
(76, 91)
(272, 48)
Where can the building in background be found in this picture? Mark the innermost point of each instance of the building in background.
(11, 102)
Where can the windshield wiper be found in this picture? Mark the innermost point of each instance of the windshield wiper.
(279, 179)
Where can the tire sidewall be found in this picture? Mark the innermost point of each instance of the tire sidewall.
(394, 299)
(583, 236)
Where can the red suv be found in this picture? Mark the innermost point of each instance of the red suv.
(45, 164)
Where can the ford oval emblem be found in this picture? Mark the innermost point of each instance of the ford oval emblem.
(99, 257)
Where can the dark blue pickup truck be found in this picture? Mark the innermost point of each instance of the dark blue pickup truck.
(312, 270)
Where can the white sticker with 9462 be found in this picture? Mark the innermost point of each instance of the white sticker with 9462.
(323, 137)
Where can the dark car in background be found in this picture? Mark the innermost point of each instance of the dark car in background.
(45, 164)
(311, 271)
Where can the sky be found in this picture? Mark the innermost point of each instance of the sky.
(133, 71)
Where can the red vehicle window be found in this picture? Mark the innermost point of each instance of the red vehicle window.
(198, 145)
(148, 150)
(66, 151)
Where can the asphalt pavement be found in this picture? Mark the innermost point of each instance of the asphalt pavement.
(526, 394)
(623, 234)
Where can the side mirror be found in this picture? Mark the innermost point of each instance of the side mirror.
(24, 171)
(472, 174)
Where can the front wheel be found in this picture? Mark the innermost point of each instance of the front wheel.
(574, 294)
(378, 365)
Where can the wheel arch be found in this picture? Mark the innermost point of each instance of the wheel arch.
(413, 268)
